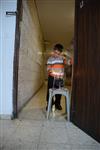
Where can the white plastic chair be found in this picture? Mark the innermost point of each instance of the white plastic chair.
(62, 91)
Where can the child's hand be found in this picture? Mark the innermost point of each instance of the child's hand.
(69, 62)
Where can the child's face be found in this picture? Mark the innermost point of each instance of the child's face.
(57, 53)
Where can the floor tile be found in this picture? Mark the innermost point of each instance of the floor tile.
(25, 133)
(88, 147)
(54, 147)
(78, 137)
(54, 135)
(53, 124)
(19, 145)
(31, 123)
(33, 114)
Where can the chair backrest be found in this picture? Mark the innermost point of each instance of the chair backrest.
(58, 83)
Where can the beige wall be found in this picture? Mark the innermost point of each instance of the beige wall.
(31, 74)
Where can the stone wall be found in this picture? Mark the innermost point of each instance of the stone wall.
(31, 68)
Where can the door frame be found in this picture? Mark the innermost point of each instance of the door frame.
(16, 59)
(19, 13)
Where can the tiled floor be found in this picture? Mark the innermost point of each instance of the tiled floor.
(32, 131)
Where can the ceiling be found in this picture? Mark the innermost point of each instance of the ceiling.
(57, 21)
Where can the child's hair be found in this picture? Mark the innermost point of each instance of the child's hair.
(58, 47)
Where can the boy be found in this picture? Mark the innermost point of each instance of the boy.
(55, 69)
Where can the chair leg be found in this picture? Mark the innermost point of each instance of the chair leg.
(49, 105)
(65, 104)
(68, 106)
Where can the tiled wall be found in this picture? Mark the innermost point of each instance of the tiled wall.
(31, 68)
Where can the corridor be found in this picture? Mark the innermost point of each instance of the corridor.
(32, 131)
(27, 39)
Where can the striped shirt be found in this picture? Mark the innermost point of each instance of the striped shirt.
(55, 66)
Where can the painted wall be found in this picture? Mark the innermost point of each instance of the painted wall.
(31, 68)
(7, 38)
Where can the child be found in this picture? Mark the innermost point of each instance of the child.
(55, 69)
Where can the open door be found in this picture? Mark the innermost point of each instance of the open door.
(86, 73)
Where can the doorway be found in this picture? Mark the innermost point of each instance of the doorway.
(34, 43)
(87, 20)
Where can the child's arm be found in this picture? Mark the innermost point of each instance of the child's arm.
(49, 66)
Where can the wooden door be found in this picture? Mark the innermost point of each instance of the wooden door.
(86, 73)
